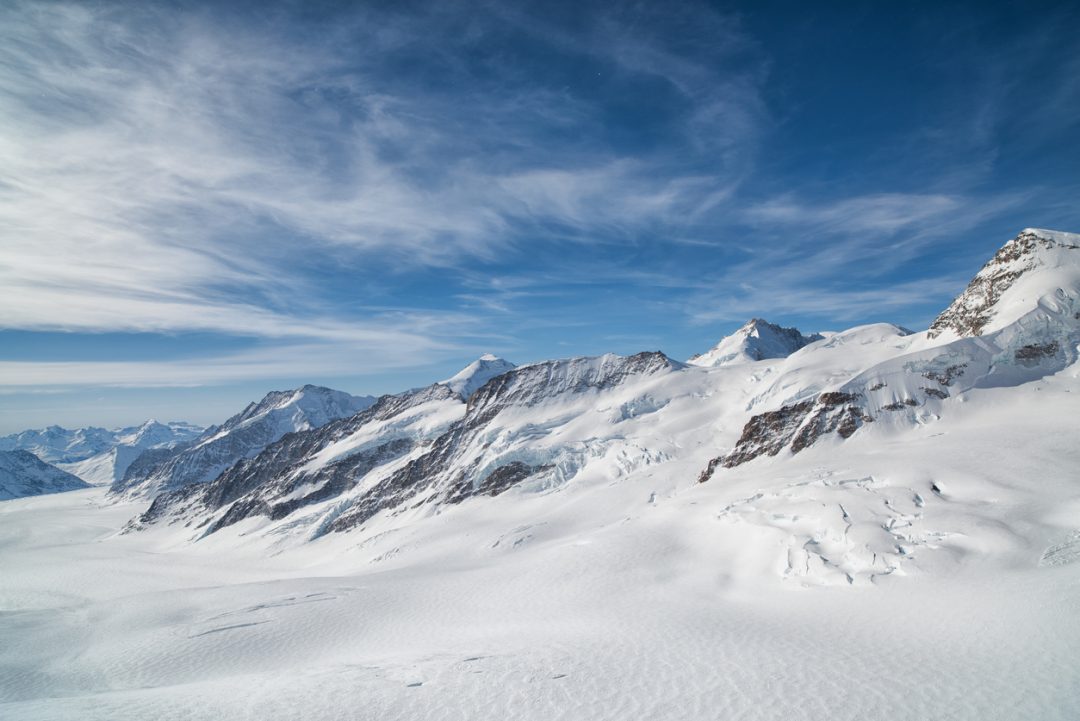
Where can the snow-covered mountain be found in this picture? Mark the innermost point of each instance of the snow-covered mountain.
(97, 455)
(580, 422)
(241, 436)
(1017, 321)
(466, 381)
(24, 474)
(757, 340)
(1006, 288)
(426, 448)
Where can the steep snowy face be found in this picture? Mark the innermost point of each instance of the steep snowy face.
(755, 341)
(242, 436)
(308, 467)
(24, 474)
(540, 424)
(480, 371)
(1034, 265)
(533, 384)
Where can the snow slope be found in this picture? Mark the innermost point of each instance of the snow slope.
(24, 474)
(241, 436)
(879, 524)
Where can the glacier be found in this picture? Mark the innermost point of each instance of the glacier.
(868, 523)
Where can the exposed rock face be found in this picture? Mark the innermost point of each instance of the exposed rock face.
(450, 473)
(242, 436)
(757, 340)
(392, 457)
(282, 479)
(969, 314)
(24, 474)
(148, 460)
(795, 426)
(1034, 353)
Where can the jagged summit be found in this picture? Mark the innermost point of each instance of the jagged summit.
(469, 379)
(242, 436)
(1032, 266)
(757, 340)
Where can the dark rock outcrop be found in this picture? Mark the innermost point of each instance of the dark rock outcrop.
(970, 312)
(441, 475)
(796, 426)
(275, 483)
(24, 474)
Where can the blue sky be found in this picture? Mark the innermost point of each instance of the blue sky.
(203, 202)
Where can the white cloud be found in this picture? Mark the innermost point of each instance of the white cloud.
(167, 171)
(312, 360)
(881, 214)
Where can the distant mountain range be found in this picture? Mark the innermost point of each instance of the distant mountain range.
(97, 455)
(311, 462)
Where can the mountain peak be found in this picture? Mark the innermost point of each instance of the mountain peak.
(756, 340)
(466, 381)
(1035, 263)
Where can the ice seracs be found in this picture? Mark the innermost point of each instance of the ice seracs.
(757, 340)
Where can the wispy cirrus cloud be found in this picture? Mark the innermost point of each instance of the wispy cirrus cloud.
(165, 171)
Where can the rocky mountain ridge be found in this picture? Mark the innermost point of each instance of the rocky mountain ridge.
(542, 425)
(973, 310)
(241, 436)
(24, 474)
(420, 448)
(588, 425)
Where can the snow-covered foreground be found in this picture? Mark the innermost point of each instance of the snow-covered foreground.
(646, 599)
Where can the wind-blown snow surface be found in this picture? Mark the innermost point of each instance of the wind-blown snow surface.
(889, 528)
